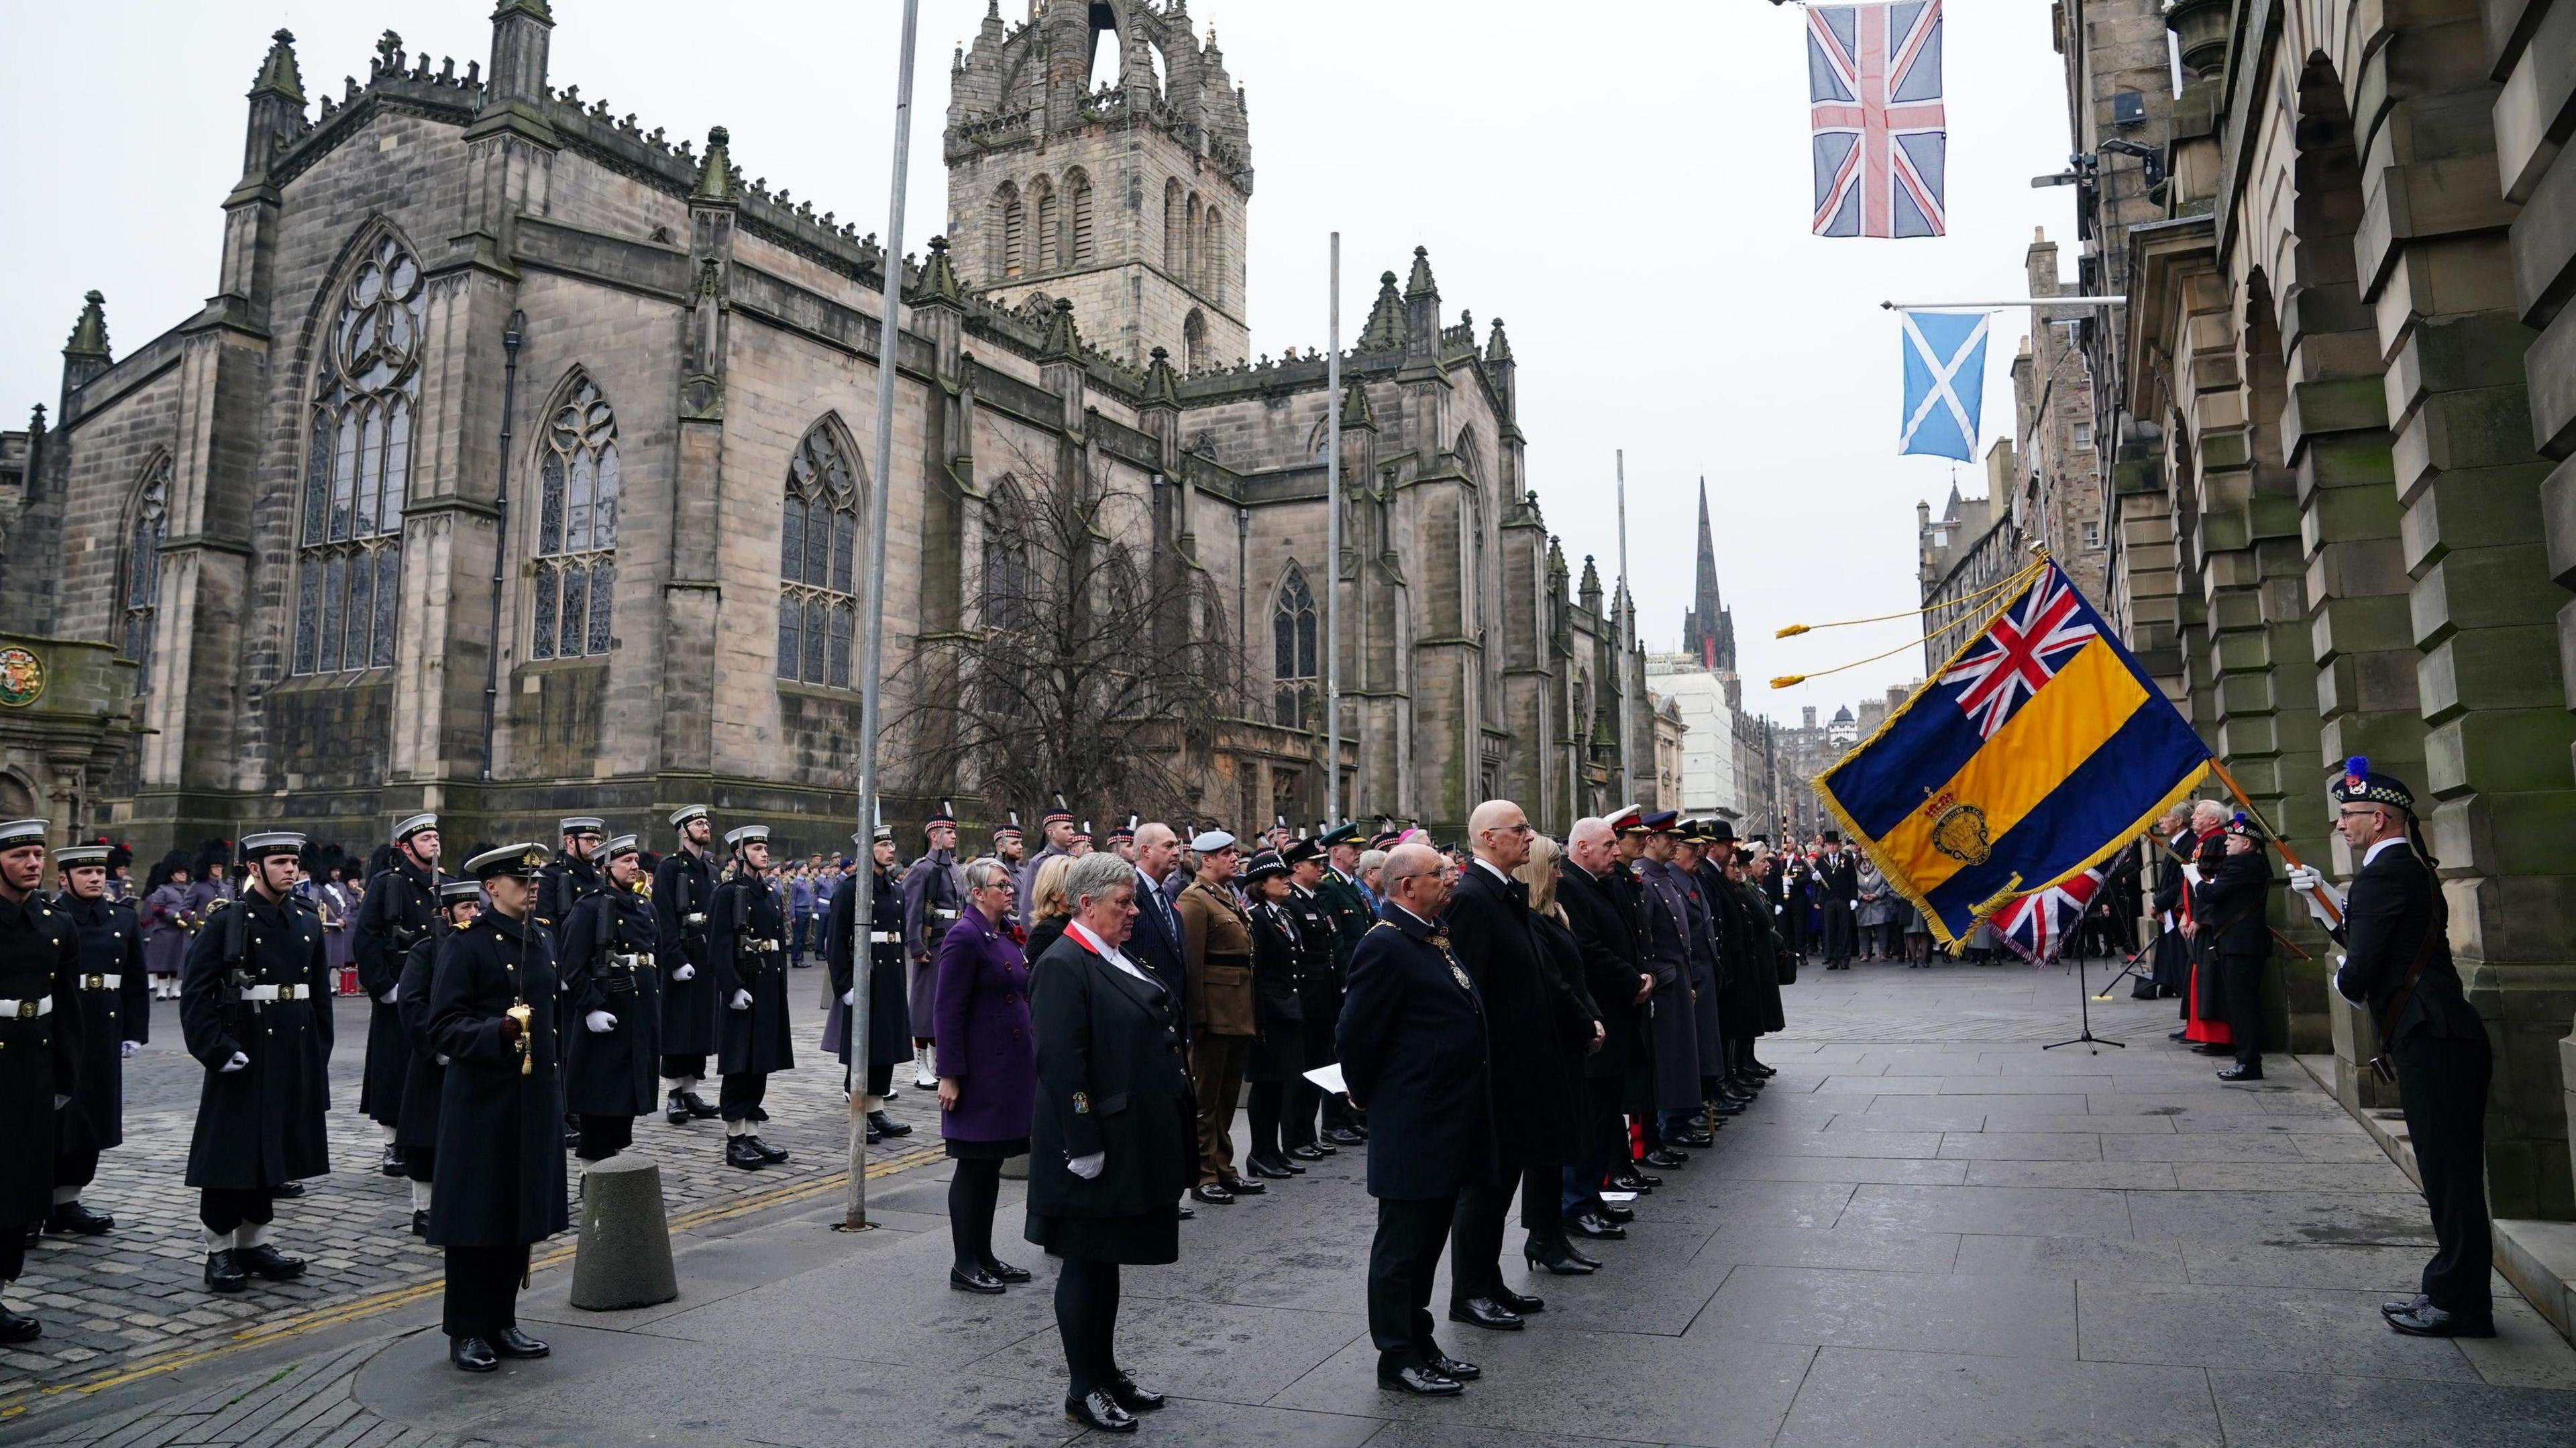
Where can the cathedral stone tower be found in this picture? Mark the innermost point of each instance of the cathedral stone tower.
(1130, 201)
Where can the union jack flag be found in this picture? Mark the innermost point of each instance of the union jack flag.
(1874, 105)
(2036, 926)
(2020, 651)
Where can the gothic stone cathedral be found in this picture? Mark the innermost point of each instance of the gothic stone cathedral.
(438, 285)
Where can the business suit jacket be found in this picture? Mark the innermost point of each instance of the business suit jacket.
(1111, 1078)
(1534, 1021)
(1608, 944)
(2394, 901)
(1154, 944)
(1412, 1043)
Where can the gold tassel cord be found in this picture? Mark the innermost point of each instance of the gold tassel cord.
(2009, 584)
(1788, 680)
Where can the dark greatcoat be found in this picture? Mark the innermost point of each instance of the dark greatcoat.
(260, 1126)
(684, 886)
(934, 899)
(608, 966)
(2228, 902)
(1278, 1008)
(39, 1055)
(1608, 949)
(983, 1033)
(1709, 947)
(1319, 974)
(426, 1082)
(754, 1040)
(2172, 967)
(563, 884)
(111, 946)
(500, 1130)
(889, 1019)
(1675, 1030)
(1764, 959)
(1412, 1046)
(395, 916)
(1112, 1079)
(1535, 1023)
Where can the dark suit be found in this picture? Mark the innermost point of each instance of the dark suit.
(2443, 1060)
(1412, 1042)
(1838, 876)
(1155, 941)
(1607, 939)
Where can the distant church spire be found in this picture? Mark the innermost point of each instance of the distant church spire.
(1708, 629)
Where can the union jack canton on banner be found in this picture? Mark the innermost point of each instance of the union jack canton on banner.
(1874, 105)
(2038, 925)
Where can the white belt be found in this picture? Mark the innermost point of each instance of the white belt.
(101, 982)
(633, 962)
(277, 992)
(28, 1010)
(695, 917)
(886, 937)
(943, 914)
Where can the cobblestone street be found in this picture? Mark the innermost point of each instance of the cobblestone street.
(1940, 1236)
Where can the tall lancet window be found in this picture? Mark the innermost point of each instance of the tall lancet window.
(1292, 651)
(143, 570)
(818, 605)
(357, 471)
(576, 527)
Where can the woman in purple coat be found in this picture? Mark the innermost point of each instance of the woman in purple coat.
(168, 921)
(988, 1069)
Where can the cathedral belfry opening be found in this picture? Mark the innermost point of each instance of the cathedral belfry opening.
(1106, 59)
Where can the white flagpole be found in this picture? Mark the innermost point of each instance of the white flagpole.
(1333, 546)
(1619, 631)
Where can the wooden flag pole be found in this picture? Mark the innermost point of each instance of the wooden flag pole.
(2324, 900)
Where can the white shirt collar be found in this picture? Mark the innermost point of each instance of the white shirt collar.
(2373, 852)
(1491, 870)
(1107, 951)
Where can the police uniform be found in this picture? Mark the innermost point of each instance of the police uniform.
(1278, 1053)
(109, 996)
(492, 1013)
(254, 1008)
(684, 884)
(426, 1080)
(612, 1011)
(889, 1036)
(2397, 960)
(749, 948)
(934, 891)
(1319, 989)
(40, 1054)
(401, 903)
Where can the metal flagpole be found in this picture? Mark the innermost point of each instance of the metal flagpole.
(1333, 547)
(871, 660)
(2005, 302)
(1619, 631)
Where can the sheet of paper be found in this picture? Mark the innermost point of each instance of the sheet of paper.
(1329, 1077)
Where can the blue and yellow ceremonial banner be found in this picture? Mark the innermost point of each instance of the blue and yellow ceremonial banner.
(2037, 751)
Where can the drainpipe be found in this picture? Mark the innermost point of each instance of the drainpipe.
(501, 531)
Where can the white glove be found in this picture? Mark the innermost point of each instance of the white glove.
(1088, 1167)
(849, 996)
(2308, 883)
(600, 1022)
(236, 1063)
(61, 1101)
(685, 972)
(129, 1049)
(442, 1060)
(389, 997)
(742, 1000)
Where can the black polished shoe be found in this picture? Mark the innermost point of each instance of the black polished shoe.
(1758, 1069)
(887, 1126)
(768, 1153)
(1560, 1260)
(2175, 1035)
(420, 1224)
(1451, 1368)
(1001, 1271)
(268, 1263)
(1485, 1312)
(1667, 1158)
(1615, 1214)
(1100, 1413)
(1420, 1380)
(2431, 1321)
(287, 1191)
(698, 1106)
(1640, 1181)
(513, 1343)
(390, 1162)
(18, 1327)
(1124, 1392)
(675, 1110)
(1188, 1212)
(739, 1152)
(1345, 1136)
(1311, 1152)
(1212, 1194)
(1588, 1225)
(224, 1273)
(1695, 1140)
(2212, 1048)
(1242, 1188)
(473, 1354)
(2416, 1303)
(871, 1135)
(1276, 1171)
(979, 1281)
(2240, 1073)
(76, 1220)
(1520, 1302)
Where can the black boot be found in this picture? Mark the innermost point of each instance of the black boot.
(697, 1105)
(885, 1125)
(768, 1153)
(18, 1327)
(675, 1110)
(739, 1152)
(265, 1261)
(224, 1273)
(391, 1161)
(77, 1220)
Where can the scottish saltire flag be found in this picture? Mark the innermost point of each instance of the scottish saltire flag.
(1945, 383)
(2037, 925)
(2036, 752)
(1874, 106)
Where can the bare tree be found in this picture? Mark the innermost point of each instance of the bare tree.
(1079, 671)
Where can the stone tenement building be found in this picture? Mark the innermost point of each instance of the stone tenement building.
(2342, 396)
(447, 282)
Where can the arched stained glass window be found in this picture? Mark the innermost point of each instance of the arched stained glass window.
(357, 472)
(818, 542)
(143, 570)
(579, 486)
(1292, 650)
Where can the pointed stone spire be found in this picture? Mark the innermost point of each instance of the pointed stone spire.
(1420, 283)
(1499, 349)
(276, 113)
(1384, 330)
(86, 355)
(1061, 340)
(715, 172)
(515, 97)
(1162, 384)
(278, 75)
(939, 274)
(1356, 412)
(1707, 634)
(1421, 308)
(1591, 586)
(1556, 561)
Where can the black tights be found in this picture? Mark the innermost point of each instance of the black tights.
(1086, 1317)
(1265, 1102)
(972, 1194)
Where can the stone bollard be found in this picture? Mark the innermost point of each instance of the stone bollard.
(624, 1256)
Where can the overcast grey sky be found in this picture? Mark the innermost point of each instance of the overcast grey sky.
(1625, 184)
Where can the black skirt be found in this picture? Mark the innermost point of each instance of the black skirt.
(987, 1150)
(1150, 1240)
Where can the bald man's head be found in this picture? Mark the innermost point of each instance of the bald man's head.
(1417, 878)
(1591, 845)
(1499, 834)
